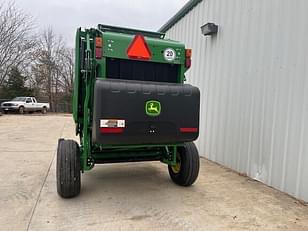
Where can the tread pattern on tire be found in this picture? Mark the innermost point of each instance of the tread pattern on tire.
(189, 166)
(68, 168)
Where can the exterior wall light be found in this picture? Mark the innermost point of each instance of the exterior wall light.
(209, 29)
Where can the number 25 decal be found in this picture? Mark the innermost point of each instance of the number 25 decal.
(169, 54)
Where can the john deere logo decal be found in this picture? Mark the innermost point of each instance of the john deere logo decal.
(152, 108)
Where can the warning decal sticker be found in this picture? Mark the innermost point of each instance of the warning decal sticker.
(112, 123)
(169, 54)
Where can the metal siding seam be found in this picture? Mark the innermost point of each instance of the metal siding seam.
(289, 85)
(204, 74)
(214, 109)
(231, 120)
(225, 81)
(302, 188)
(213, 63)
(274, 24)
(202, 77)
(194, 15)
(238, 71)
(263, 95)
(300, 179)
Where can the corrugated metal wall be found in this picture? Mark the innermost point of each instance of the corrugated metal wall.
(254, 83)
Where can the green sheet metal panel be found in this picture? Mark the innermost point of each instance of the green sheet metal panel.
(115, 45)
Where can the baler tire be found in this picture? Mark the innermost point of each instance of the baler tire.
(68, 168)
(189, 165)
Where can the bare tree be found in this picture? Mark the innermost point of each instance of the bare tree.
(53, 68)
(17, 41)
(66, 70)
(44, 60)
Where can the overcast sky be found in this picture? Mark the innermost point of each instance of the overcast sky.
(67, 15)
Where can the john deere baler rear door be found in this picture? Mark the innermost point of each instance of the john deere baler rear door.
(137, 112)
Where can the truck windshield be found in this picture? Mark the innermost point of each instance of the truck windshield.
(19, 99)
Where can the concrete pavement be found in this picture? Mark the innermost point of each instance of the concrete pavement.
(129, 196)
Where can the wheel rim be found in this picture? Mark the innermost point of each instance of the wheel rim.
(177, 167)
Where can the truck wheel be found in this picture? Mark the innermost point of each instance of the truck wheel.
(21, 110)
(186, 170)
(44, 110)
(68, 168)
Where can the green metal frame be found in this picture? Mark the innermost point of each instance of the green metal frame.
(88, 68)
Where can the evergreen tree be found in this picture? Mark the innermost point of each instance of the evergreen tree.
(15, 85)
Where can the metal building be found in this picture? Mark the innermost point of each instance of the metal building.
(253, 76)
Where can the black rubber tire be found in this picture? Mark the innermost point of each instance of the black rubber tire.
(68, 168)
(44, 110)
(21, 110)
(189, 168)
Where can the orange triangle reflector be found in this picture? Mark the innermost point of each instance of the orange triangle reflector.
(138, 49)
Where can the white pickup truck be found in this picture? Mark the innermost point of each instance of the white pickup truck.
(24, 104)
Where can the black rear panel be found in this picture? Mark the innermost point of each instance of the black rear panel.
(141, 70)
(126, 100)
